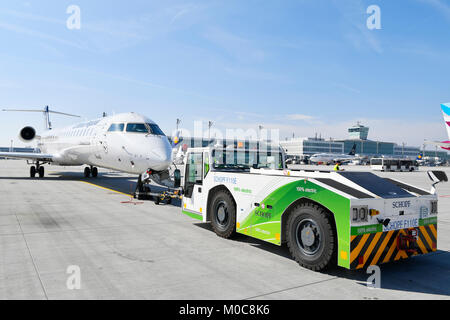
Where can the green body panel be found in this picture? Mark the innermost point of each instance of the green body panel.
(265, 224)
(193, 215)
(427, 221)
(356, 231)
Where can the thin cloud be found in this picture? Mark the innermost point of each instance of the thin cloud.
(439, 5)
(301, 117)
(41, 35)
(235, 46)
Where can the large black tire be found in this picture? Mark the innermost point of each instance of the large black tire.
(223, 214)
(87, 172)
(41, 172)
(32, 171)
(94, 172)
(311, 237)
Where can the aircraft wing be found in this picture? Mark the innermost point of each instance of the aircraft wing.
(439, 144)
(27, 156)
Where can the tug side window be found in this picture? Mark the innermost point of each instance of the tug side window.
(195, 168)
(194, 173)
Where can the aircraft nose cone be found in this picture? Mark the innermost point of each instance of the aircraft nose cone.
(162, 156)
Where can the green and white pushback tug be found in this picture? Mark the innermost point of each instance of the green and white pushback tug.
(352, 219)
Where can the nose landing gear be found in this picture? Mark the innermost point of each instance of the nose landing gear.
(143, 192)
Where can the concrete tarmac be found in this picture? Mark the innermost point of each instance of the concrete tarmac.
(63, 223)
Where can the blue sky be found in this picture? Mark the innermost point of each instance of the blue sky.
(302, 66)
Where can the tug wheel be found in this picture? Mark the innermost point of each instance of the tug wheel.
(223, 214)
(311, 237)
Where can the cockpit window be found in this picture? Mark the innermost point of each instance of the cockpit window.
(137, 127)
(116, 127)
(155, 129)
(148, 128)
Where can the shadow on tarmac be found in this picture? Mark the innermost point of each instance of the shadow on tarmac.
(429, 274)
(114, 181)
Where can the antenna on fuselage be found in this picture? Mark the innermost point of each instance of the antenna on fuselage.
(46, 112)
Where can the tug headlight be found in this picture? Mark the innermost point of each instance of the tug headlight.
(363, 214)
(355, 214)
(360, 213)
(434, 207)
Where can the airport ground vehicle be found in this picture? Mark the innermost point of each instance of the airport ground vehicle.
(352, 219)
(391, 164)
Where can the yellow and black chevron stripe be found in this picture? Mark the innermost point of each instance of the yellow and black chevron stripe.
(381, 247)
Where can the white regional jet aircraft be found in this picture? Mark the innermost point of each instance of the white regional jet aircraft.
(126, 142)
(329, 158)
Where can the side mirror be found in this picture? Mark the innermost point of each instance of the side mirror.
(437, 176)
(177, 178)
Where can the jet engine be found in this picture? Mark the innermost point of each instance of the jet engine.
(27, 134)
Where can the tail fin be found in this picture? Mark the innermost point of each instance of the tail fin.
(46, 111)
(420, 156)
(353, 151)
(176, 139)
(446, 112)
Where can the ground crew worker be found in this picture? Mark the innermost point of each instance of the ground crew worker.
(337, 166)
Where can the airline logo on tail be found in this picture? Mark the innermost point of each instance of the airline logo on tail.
(420, 156)
(176, 139)
(446, 112)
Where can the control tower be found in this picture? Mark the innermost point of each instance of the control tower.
(358, 132)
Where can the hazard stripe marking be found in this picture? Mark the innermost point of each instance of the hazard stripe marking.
(369, 250)
(381, 247)
(427, 238)
(421, 246)
(392, 247)
(356, 251)
(430, 235)
(384, 242)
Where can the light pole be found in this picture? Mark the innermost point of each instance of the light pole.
(210, 124)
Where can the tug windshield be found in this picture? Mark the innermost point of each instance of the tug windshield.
(235, 159)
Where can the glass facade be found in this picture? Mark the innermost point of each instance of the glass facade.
(369, 148)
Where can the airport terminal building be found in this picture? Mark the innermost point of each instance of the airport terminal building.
(358, 135)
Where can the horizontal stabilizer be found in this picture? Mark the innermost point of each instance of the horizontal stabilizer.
(445, 145)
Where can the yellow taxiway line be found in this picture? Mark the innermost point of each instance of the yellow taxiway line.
(104, 188)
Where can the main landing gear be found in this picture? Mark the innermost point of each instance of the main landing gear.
(90, 171)
(38, 169)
